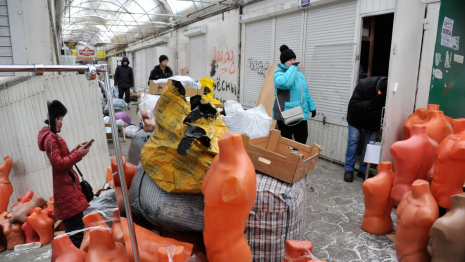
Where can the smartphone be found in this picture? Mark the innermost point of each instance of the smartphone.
(89, 144)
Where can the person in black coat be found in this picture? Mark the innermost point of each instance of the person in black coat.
(124, 79)
(363, 114)
(162, 70)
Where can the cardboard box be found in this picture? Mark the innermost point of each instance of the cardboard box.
(157, 89)
(271, 155)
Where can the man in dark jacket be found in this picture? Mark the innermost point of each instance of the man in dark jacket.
(162, 70)
(124, 79)
(363, 114)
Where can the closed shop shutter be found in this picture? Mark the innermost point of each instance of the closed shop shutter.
(197, 57)
(330, 57)
(258, 41)
(288, 32)
(329, 68)
(6, 52)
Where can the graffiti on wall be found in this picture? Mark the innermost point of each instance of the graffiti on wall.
(257, 66)
(223, 61)
(223, 71)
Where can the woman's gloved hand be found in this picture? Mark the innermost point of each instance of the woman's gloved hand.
(296, 64)
(313, 113)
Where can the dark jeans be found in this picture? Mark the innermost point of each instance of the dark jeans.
(352, 144)
(121, 91)
(73, 224)
(300, 131)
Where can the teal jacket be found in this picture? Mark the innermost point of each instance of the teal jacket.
(286, 79)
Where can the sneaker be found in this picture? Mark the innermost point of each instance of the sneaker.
(348, 176)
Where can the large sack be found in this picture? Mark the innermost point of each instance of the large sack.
(137, 143)
(180, 150)
(254, 122)
(277, 215)
(179, 212)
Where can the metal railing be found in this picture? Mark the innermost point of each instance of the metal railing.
(91, 74)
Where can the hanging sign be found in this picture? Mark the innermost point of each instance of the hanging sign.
(86, 52)
(101, 54)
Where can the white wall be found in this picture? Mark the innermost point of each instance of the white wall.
(222, 53)
(30, 32)
(23, 106)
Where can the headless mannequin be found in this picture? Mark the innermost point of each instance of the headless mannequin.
(412, 160)
(448, 233)
(296, 250)
(129, 172)
(419, 117)
(24, 199)
(42, 224)
(229, 188)
(437, 126)
(31, 234)
(378, 202)
(449, 171)
(102, 248)
(20, 212)
(416, 214)
(93, 219)
(13, 233)
(6, 189)
(63, 250)
(148, 242)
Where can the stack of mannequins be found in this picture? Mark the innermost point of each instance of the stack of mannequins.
(427, 188)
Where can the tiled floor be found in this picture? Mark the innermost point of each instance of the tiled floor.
(334, 215)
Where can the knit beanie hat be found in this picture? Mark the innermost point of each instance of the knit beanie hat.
(55, 109)
(286, 54)
(162, 58)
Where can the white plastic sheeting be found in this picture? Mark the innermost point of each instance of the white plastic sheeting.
(23, 109)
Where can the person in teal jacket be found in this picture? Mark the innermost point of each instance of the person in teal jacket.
(289, 89)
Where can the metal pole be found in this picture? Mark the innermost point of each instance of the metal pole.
(39, 69)
(122, 178)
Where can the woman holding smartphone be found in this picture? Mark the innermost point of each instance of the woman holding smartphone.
(70, 202)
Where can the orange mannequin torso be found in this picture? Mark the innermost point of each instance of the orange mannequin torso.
(416, 214)
(93, 219)
(63, 250)
(229, 188)
(437, 126)
(102, 247)
(449, 170)
(31, 234)
(13, 233)
(6, 189)
(42, 224)
(419, 117)
(378, 202)
(412, 160)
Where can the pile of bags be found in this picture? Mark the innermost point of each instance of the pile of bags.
(254, 122)
(180, 150)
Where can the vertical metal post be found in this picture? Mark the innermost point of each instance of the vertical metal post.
(124, 190)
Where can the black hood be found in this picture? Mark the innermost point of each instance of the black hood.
(125, 59)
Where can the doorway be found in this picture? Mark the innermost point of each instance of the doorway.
(376, 45)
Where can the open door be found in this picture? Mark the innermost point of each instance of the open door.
(403, 71)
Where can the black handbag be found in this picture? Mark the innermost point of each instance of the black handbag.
(86, 188)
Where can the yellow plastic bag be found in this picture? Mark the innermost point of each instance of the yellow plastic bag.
(196, 139)
(208, 93)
